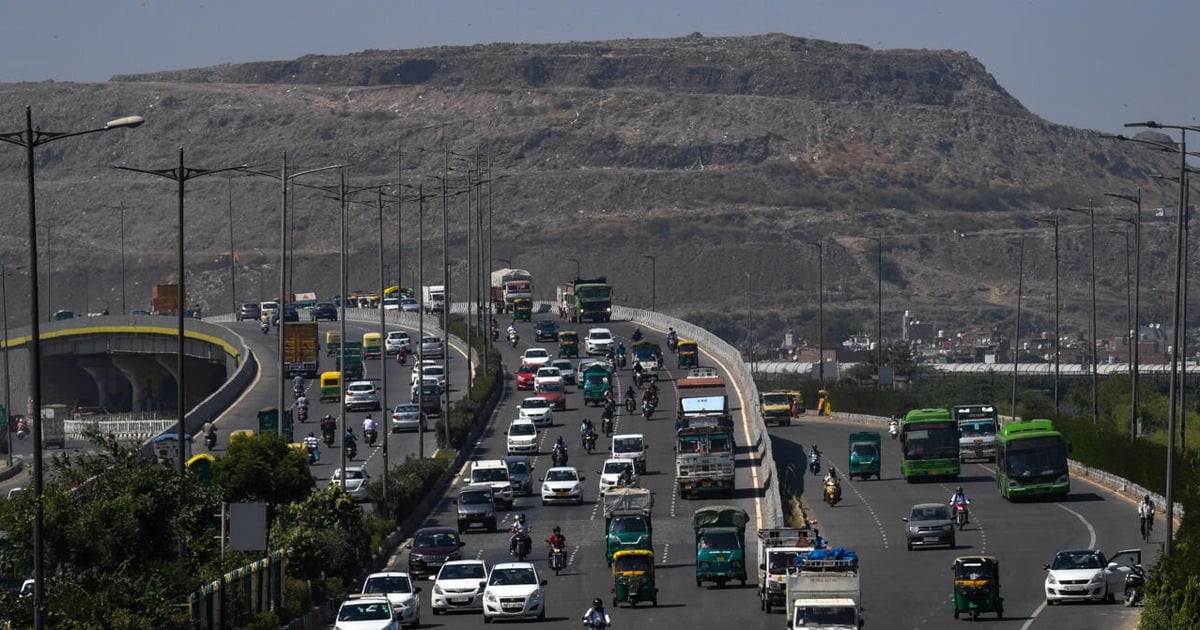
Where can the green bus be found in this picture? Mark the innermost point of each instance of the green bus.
(929, 445)
(1031, 460)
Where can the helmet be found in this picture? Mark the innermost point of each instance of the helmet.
(310, 434)
(959, 491)
(557, 529)
(1147, 499)
(597, 603)
(520, 518)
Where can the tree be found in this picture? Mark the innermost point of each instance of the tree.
(263, 468)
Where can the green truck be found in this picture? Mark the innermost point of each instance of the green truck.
(865, 455)
(585, 300)
(627, 523)
(720, 544)
(352, 353)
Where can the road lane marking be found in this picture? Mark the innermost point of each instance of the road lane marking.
(871, 509)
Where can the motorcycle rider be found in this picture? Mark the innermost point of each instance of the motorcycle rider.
(210, 434)
(596, 616)
(298, 385)
(653, 392)
(495, 331)
(672, 338)
(350, 441)
(586, 428)
(302, 407)
(369, 430)
(814, 459)
(559, 452)
(637, 334)
(626, 477)
(311, 445)
(266, 327)
(894, 427)
(630, 394)
(959, 497)
(1146, 515)
(556, 540)
(520, 529)
(328, 427)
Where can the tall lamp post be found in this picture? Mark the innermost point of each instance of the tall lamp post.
(878, 309)
(653, 281)
(1057, 294)
(124, 310)
(820, 309)
(1017, 327)
(7, 380)
(1091, 212)
(574, 260)
(1130, 336)
(30, 138)
(1135, 335)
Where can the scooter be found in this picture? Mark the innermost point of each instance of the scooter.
(266, 328)
(960, 514)
(630, 404)
(513, 338)
(22, 429)
(559, 457)
(558, 559)
(894, 430)
(328, 435)
(814, 465)
(607, 423)
(833, 493)
(371, 435)
(210, 440)
(1135, 585)
(302, 414)
(647, 409)
(314, 455)
(351, 450)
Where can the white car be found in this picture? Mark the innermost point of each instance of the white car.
(522, 437)
(391, 304)
(366, 613)
(611, 472)
(399, 591)
(599, 340)
(631, 446)
(436, 372)
(1084, 574)
(514, 591)
(395, 340)
(493, 472)
(457, 586)
(538, 410)
(562, 483)
(356, 481)
(362, 395)
(565, 368)
(546, 374)
(535, 356)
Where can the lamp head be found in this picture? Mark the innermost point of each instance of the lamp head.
(127, 121)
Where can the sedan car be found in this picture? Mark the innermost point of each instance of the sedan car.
(929, 524)
(546, 374)
(407, 417)
(323, 311)
(399, 591)
(514, 591)
(562, 484)
(538, 410)
(565, 368)
(525, 375)
(397, 340)
(535, 356)
(356, 481)
(522, 437)
(546, 330)
(410, 305)
(555, 392)
(362, 395)
(1084, 574)
(432, 348)
(290, 314)
(459, 586)
(366, 613)
(431, 548)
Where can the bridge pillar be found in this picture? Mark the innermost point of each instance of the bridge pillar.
(148, 380)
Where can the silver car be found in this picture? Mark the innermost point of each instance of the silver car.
(929, 524)
(432, 348)
(406, 417)
(362, 395)
(565, 368)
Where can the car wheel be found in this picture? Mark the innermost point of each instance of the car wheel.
(910, 546)
(437, 611)
(487, 619)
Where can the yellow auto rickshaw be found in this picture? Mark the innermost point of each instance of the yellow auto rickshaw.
(372, 345)
(977, 586)
(689, 353)
(633, 577)
(522, 309)
(568, 343)
(333, 342)
(331, 386)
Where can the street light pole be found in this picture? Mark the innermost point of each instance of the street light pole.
(1130, 336)
(1017, 333)
(124, 310)
(653, 281)
(576, 261)
(1135, 336)
(1091, 212)
(878, 310)
(7, 388)
(1057, 337)
(820, 309)
(232, 253)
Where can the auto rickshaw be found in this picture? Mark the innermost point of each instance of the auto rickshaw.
(977, 586)
(633, 577)
(689, 353)
(372, 345)
(522, 309)
(331, 386)
(568, 344)
(240, 434)
(333, 342)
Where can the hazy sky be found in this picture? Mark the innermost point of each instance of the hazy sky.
(1087, 63)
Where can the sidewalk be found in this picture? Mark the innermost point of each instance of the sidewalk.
(8, 472)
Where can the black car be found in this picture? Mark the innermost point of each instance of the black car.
(324, 311)
(290, 314)
(546, 330)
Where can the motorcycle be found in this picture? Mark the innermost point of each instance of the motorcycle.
(1135, 585)
(647, 409)
(630, 404)
(328, 435)
(521, 545)
(558, 559)
(302, 414)
(672, 342)
(297, 391)
(637, 335)
(513, 338)
(608, 425)
(559, 457)
(814, 465)
(637, 379)
(313, 455)
(589, 442)
(833, 493)
(351, 450)
(210, 440)
(894, 430)
(22, 430)
(371, 435)
(266, 328)
(960, 514)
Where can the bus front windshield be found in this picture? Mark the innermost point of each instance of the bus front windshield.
(931, 440)
(1038, 456)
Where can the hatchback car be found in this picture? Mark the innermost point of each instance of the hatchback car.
(323, 311)
(611, 472)
(566, 368)
(535, 356)
(547, 374)
(520, 474)
(546, 330)
(362, 395)
(391, 304)
(356, 481)
(538, 410)
(555, 392)
(410, 305)
(562, 484)
(268, 311)
(395, 341)
(399, 591)
(525, 375)
(407, 417)
(599, 340)
(929, 524)
(522, 437)
(431, 548)
(1085, 574)
(459, 586)
(432, 348)
(366, 613)
(476, 504)
(514, 591)
(249, 310)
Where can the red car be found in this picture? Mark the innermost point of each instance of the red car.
(525, 375)
(555, 392)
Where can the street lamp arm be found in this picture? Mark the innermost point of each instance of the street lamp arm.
(178, 173)
(1132, 198)
(43, 137)
(276, 176)
(1154, 124)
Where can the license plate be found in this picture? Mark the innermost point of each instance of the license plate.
(720, 558)
(459, 600)
(562, 493)
(705, 484)
(931, 539)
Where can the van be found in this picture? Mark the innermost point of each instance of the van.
(631, 446)
(493, 472)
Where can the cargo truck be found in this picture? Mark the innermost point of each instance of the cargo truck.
(777, 551)
(165, 299)
(53, 425)
(433, 298)
(585, 300)
(509, 285)
(977, 426)
(627, 523)
(701, 394)
(823, 591)
(704, 459)
(776, 407)
(720, 532)
(301, 348)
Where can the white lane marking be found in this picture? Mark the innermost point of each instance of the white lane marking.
(1091, 545)
(666, 554)
(871, 509)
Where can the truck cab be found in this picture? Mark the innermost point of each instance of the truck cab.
(776, 407)
(778, 549)
(720, 532)
(631, 446)
(823, 591)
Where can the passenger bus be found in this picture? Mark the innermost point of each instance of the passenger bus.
(976, 431)
(1031, 460)
(929, 444)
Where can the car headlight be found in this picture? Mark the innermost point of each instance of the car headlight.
(1050, 579)
(947, 528)
(912, 529)
(491, 597)
(577, 489)
(437, 590)
(1096, 578)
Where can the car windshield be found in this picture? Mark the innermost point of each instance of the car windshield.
(490, 474)
(522, 428)
(563, 366)
(535, 353)
(930, 513)
(351, 473)
(462, 572)
(509, 577)
(1068, 560)
(562, 475)
(430, 541)
(548, 372)
(973, 571)
(388, 584)
(475, 497)
(546, 325)
(518, 468)
(365, 612)
(719, 540)
(526, 369)
(824, 616)
(431, 340)
(615, 468)
(600, 336)
(552, 387)
(627, 445)
(535, 403)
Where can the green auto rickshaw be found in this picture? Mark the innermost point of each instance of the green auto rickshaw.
(633, 577)
(977, 586)
(865, 455)
(522, 309)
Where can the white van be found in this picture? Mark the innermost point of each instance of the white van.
(493, 472)
(631, 446)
